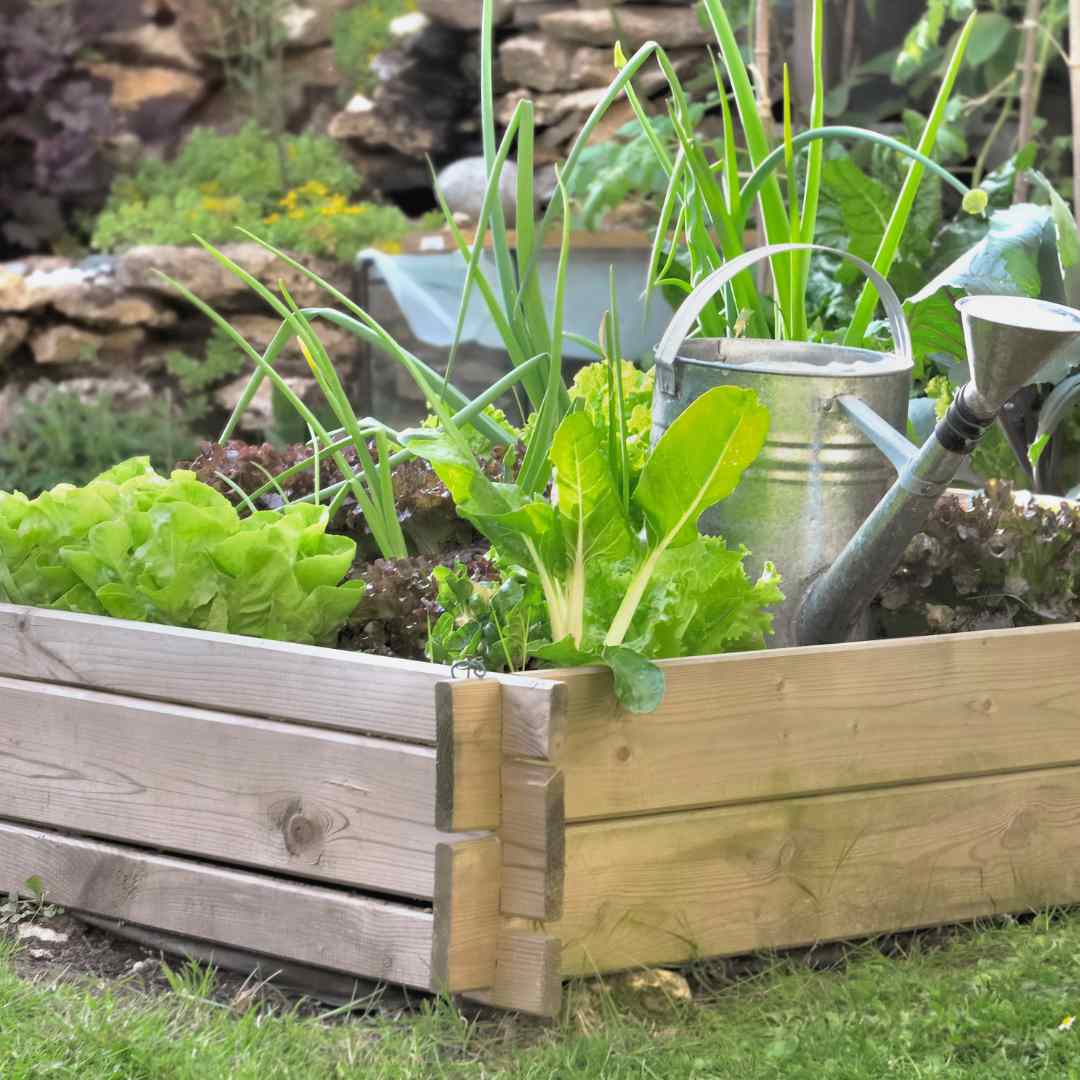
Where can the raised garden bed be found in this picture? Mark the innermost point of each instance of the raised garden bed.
(491, 836)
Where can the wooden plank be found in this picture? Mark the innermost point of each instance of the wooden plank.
(793, 872)
(314, 803)
(527, 977)
(533, 717)
(466, 914)
(311, 925)
(333, 987)
(794, 721)
(533, 835)
(469, 754)
(332, 688)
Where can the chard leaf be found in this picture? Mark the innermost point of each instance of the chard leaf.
(594, 524)
(699, 461)
(639, 683)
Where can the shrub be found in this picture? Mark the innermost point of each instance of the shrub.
(63, 439)
(294, 191)
(360, 33)
(54, 120)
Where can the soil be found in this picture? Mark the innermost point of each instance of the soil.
(61, 948)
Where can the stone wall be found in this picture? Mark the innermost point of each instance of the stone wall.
(107, 324)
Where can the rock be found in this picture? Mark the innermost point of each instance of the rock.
(311, 22)
(551, 108)
(151, 41)
(633, 26)
(13, 331)
(30, 932)
(422, 94)
(31, 283)
(64, 344)
(407, 26)
(464, 14)
(208, 29)
(259, 331)
(113, 307)
(259, 416)
(87, 292)
(200, 272)
(135, 87)
(537, 62)
(595, 67)
(463, 184)
(527, 12)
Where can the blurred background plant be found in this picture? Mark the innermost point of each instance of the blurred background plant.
(361, 32)
(296, 192)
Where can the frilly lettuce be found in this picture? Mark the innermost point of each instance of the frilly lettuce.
(135, 545)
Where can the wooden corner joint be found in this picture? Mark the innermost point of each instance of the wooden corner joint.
(468, 754)
(533, 835)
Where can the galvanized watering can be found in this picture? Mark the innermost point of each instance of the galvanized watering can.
(838, 491)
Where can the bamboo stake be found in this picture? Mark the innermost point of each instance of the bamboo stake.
(1074, 87)
(1029, 91)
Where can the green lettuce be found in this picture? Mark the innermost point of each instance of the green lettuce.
(135, 545)
(625, 586)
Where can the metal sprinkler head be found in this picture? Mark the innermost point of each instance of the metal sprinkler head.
(1008, 339)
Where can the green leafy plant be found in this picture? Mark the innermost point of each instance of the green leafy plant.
(64, 439)
(360, 33)
(135, 545)
(987, 563)
(707, 205)
(296, 191)
(625, 577)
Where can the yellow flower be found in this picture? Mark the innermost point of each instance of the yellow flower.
(1067, 1023)
(391, 247)
(289, 201)
(269, 220)
(298, 214)
(315, 187)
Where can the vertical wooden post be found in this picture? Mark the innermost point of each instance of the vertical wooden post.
(1029, 94)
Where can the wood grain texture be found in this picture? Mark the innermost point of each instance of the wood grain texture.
(466, 914)
(527, 977)
(778, 874)
(468, 754)
(314, 803)
(533, 717)
(533, 835)
(305, 923)
(328, 687)
(793, 721)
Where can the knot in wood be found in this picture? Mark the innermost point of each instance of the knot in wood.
(301, 833)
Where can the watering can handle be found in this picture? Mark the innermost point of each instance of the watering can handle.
(680, 326)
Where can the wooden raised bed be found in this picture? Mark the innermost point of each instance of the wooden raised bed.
(490, 837)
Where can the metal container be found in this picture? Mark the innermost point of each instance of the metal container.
(818, 477)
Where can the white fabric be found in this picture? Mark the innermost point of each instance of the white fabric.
(428, 290)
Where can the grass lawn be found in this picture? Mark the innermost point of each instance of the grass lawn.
(989, 1003)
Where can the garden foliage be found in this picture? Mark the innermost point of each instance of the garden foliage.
(295, 191)
(997, 563)
(135, 545)
(54, 118)
(594, 576)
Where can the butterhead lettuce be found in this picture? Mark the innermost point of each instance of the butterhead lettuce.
(136, 545)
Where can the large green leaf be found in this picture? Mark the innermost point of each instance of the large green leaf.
(591, 513)
(1005, 262)
(699, 461)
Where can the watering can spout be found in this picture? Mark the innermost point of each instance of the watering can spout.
(1008, 340)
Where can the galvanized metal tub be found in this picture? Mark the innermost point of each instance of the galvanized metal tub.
(818, 476)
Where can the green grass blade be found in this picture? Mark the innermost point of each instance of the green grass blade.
(773, 214)
(890, 242)
(816, 157)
